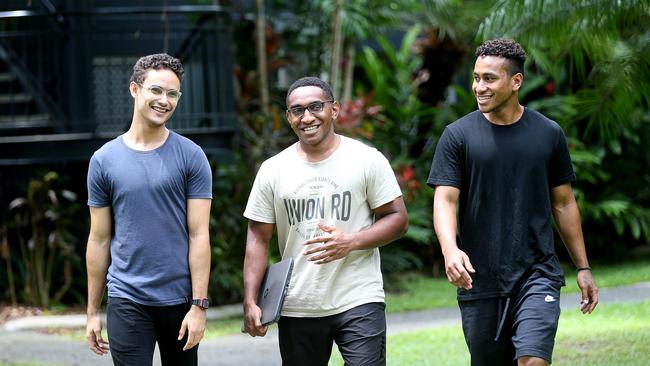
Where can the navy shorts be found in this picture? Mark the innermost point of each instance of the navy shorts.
(359, 333)
(498, 331)
(133, 330)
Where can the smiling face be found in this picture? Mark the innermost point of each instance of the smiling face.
(315, 130)
(150, 109)
(495, 89)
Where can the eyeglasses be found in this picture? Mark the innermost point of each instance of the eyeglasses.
(158, 91)
(313, 107)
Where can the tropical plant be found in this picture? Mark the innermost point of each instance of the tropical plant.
(389, 115)
(39, 231)
(605, 43)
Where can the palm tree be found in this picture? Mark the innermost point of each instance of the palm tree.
(606, 44)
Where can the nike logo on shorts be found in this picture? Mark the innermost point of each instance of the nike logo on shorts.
(549, 298)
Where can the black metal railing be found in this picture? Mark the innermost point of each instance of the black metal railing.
(67, 70)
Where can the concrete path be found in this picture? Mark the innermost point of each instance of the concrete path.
(19, 343)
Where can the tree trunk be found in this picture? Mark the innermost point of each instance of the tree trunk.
(350, 55)
(67, 283)
(337, 44)
(262, 73)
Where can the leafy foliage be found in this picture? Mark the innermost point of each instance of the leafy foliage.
(607, 45)
(401, 129)
(37, 241)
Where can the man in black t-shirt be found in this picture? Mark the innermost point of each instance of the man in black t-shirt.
(510, 170)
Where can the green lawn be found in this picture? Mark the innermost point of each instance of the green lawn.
(416, 292)
(613, 335)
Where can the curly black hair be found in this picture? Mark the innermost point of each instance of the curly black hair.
(506, 48)
(156, 61)
(311, 81)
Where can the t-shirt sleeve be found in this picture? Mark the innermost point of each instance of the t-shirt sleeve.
(560, 169)
(382, 185)
(446, 167)
(199, 182)
(99, 194)
(260, 205)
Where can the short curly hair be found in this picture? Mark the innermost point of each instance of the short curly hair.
(156, 62)
(311, 81)
(506, 48)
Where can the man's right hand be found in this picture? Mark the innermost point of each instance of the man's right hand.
(94, 335)
(253, 321)
(458, 268)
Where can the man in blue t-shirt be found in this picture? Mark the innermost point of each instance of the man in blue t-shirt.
(149, 193)
(507, 168)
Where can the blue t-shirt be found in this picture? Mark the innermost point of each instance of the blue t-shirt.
(148, 192)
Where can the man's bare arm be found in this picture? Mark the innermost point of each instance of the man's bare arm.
(457, 264)
(98, 258)
(198, 220)
(567, 219)
(255, 262)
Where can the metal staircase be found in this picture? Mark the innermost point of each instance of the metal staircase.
(64, 69)
(20, 111)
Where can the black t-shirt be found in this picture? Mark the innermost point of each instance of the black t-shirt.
(505, 175)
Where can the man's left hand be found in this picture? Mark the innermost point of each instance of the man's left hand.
(335, 244)
(194, 325)
(589, 291)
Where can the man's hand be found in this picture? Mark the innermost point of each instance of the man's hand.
(194, 325)
(94, 335)
(458, 269)
(589, 291)
(335, 244)
(253, 321)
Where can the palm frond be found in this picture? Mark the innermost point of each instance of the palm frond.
(606, 44)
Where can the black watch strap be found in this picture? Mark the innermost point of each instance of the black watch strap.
(202, 303)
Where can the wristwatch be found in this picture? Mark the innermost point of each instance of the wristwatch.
(202, 303)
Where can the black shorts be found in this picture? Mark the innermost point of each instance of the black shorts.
(359, 333)
(133, 330)
(498, 331)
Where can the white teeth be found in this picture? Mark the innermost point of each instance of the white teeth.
(158, 109)
(310, 128)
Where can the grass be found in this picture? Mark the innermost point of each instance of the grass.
(221, 327)
(612, 275)
(415, 292)
(614, 335)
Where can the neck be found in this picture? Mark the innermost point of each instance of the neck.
(142, 136)
(320, 152)
(505, 116)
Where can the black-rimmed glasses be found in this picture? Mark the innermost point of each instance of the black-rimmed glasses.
(313, 107)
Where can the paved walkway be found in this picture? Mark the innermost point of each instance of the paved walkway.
(19, 344)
